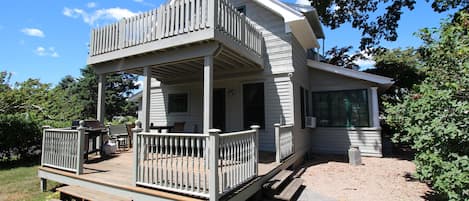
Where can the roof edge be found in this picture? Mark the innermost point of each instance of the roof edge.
(385, 82)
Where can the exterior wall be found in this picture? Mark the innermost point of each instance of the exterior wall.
(278, 105)
(338, 140)
(300, 79)
(277, 84)
(272, 26)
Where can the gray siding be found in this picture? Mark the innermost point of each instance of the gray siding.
(272, 26)
(338, 140)
(300, 79)
(278, 105)
(323, 81)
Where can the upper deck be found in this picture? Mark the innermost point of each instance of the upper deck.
(175, 24)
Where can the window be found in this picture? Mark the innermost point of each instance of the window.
(341, 108)
(177, 102)
(253, 105)
(241, 9)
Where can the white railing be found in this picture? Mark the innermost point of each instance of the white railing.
(172, 162)
(204, 165)
(284, 145)
(172, 19)
(168, 20)
(63, 149)
(236, 25)
(238, 158)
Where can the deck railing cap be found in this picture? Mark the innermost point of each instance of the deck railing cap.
(214, 130)
(255, 127)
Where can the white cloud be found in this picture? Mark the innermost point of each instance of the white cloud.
(366, 62)
(98, 15)
(91, 4)
(33, 32)
(43, 52)
(303, 2)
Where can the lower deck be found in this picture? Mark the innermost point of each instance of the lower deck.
(113, 175)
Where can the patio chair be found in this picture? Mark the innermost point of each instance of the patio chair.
(120, 134)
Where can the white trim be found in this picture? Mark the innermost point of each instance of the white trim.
(375, 107)
(289, 14)
(384, 82)
(295, 22)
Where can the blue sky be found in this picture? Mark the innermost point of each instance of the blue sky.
(48, 39)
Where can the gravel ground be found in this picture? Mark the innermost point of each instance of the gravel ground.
(377, 179)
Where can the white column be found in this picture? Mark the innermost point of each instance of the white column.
(277, 142)
(213, 166)
(146, 99)
(208, 88)
(374, 107)
(101, 108)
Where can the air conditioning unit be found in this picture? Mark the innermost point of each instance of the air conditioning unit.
(311, 122)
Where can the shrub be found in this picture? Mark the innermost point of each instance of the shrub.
(20, 136)
(434, 117)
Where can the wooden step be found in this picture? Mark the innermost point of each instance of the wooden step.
(89, 194)
(299, 172)
(290, 190)
(275, 182)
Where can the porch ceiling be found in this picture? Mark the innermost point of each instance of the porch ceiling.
(226, 62)
(183, 64)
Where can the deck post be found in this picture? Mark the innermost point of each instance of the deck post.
(81, 147)
(146, 98)
(101, 98)
(213, 160)
(135, 131)
(43, 185)
(277, 142)
(256, 148)
(208, 88)
(374, 107)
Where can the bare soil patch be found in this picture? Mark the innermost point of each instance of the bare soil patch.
(377, 179)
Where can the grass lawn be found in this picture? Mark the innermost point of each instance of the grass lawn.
(20, 182)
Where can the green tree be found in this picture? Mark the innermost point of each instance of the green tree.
(118, 87)
(4, 81)
(342, 57)
(403, 65)
(434, 117)
(367, 16)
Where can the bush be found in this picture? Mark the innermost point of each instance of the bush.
(20, 136)
(434, 117)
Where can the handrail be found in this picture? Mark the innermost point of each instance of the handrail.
(63, 149)
(239, 27)
(238, 158)
(174, 134)
(284, 141)
(203, 165)
(173, 19)
(173, 162)
(286, 126)
(168, 20)
(236, 133)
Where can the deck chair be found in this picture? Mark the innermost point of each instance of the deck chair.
(120, 134)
